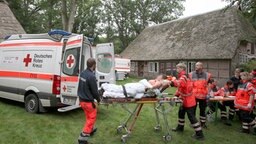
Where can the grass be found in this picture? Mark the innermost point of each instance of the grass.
(19, 127)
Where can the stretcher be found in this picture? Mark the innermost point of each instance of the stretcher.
(159, 104)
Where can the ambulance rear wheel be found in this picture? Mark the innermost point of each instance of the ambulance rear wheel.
(32, 103)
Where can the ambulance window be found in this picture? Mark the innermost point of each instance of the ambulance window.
(104, 62)
(71, 62)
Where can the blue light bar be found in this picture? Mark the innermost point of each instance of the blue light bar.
(59, 32)
(90, 39)
(7, 37)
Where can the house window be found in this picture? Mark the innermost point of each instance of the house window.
(153, 67)
(191, 66)
(252, 49)
(243, 58)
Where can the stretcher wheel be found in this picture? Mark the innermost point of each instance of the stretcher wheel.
(119, 129)
(167, 137)
(157, 128)
(124, 138)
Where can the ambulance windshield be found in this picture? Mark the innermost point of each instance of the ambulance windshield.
(104, 62)
(71, 62)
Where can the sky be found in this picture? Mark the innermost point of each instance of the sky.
(194, 7)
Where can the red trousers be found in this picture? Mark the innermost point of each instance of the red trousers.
(90, 113)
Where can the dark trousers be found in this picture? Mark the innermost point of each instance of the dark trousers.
(221, 106)
(232, 109)
(202, 106)
(192, 118)
(190, 112)
(247, 120)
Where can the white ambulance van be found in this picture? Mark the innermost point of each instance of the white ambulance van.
(122, 67)
(42, 70)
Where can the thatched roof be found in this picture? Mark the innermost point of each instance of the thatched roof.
(8, 23)
(214, 35)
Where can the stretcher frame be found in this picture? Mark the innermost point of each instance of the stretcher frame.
(159, 108)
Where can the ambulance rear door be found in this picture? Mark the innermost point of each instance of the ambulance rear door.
(70, 69)
(105, 63)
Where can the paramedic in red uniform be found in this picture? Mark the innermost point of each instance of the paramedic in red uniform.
(88, 92)
(184, 91)
(253, 80)
(200, 89)
(244, 101)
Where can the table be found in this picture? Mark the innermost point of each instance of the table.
(221, 99)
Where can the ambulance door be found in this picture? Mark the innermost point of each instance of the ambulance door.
(71, 65)
(105, 63)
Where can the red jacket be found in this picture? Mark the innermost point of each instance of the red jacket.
(225, 91)
(253, 81)
(200, 82)
(244, 92)
(184, 90)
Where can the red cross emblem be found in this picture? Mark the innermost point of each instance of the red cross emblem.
(64, 88)
(70, 62)
(27, 60)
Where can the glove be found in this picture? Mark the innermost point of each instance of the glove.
(249, 105)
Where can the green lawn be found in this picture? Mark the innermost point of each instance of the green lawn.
(19, 127)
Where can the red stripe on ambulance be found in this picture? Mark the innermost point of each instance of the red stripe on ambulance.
(26, 75)
(70, 79)
(74, 42)
(29, 75)
(31, 44)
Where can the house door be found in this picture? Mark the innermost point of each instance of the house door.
(140, 69)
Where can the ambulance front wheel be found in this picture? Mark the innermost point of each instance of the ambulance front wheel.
(31, 103)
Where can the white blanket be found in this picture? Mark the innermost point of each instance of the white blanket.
(135, 90)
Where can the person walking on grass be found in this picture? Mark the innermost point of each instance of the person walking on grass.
(88, 93)
(184, 91)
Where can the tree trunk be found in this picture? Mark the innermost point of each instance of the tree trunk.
(64, 15)
(50, 18)
(68, 19)
(71, 19)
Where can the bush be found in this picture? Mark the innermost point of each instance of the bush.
(249, 66)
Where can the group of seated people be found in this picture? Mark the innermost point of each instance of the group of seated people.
(246, 86)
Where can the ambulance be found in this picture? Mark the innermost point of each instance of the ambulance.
(122, 68)
(42, 70)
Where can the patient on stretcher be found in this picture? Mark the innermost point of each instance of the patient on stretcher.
(135, 90)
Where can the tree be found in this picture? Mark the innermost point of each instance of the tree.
(37, 16)
(88, 17)
(248, 7)
(249, 66)
(129, 17)
(119, 20)
(68, 11)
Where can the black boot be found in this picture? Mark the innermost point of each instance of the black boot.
(198, 135)
(93, 131)
(83, 138)
(231, 117)
(203, 125)
(247, 131)
(179, 128)
(227, 122)
(254, 130)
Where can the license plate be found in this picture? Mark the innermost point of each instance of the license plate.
(69, 101)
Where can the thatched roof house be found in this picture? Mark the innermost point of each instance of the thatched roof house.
(8, 23)
(216, 38)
